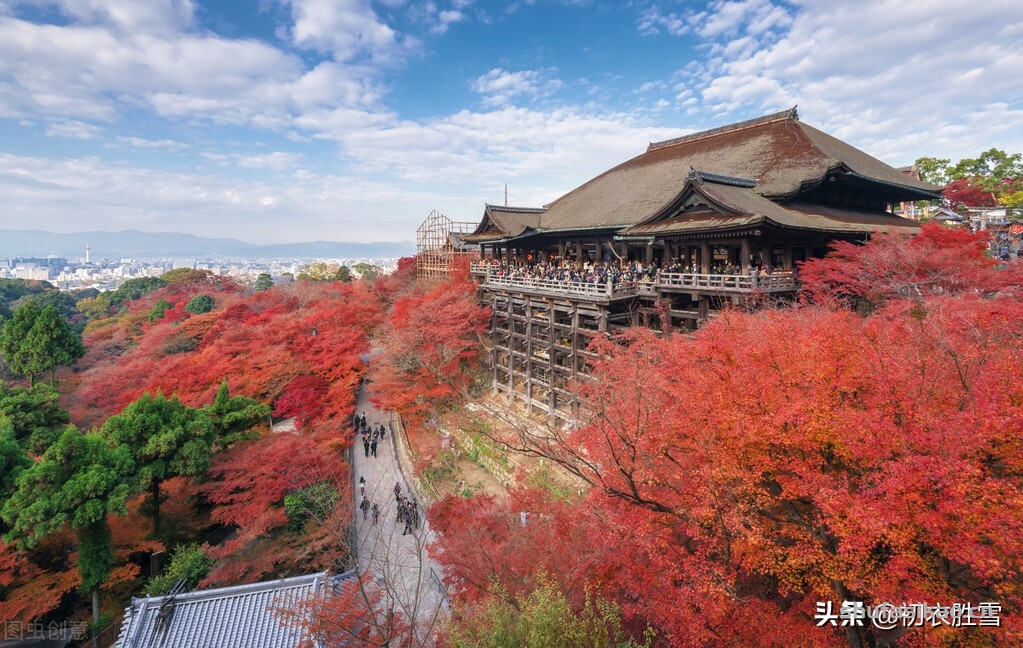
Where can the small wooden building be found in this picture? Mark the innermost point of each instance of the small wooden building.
(693, 222)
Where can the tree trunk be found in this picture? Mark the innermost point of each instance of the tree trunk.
(852, 633)
(156, 509)
(95, 607)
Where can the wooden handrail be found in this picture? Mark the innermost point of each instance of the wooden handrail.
(774, 281)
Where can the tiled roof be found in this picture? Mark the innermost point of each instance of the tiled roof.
(244, 616)
(503, 222)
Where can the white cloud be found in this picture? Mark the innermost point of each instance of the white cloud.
(652, 21)
(153, 16)
(143, 143)
(73, 195)
(502, 86)
(278, 160)
(90, 73)
(863, 70)
(344, 28)
(73, 129)
(447, 18)
(552, 150)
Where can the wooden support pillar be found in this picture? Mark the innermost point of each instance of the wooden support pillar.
(494, 336)
(649, 254)
(511, 348)
(705, 258)
(745, 255)
(551, 354)
(529, 355)
(575, 341)
(788, 265)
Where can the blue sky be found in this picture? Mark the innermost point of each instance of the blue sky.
(350, 120)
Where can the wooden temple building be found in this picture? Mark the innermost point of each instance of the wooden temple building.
(705, 219)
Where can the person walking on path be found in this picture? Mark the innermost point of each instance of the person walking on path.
(376, 513)
(373, 447)
(365, 507)
(365, 446)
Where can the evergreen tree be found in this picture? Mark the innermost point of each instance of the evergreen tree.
(165, 438)
(264, 281)
(78, 481)
(38, 339)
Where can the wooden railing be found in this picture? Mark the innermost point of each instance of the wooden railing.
(776, 281)
(768, 282)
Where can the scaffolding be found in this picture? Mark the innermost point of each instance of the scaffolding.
(438, 243)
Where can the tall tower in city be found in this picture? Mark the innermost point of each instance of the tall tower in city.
(86, 252)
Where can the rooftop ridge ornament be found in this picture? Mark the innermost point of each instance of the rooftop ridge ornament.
(527, 210)
(756, 121)
(717, 178)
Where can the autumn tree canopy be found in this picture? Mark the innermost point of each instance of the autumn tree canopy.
(937, 261)
(430, 350)
(993, 178)
(166, 439)
(775, 460)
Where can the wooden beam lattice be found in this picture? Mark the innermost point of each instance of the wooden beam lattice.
(438, 243)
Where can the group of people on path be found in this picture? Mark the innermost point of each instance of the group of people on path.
(370, 435)
(408, 507)
(408, 510)
(365, 506)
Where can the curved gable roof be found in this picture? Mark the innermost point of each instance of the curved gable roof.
(709, 203)
(504, 222)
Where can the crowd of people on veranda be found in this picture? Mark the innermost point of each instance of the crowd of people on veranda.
(617, 272)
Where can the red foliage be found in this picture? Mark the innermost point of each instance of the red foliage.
(247, 486)
(260, 342)
(485, 543)
(401, 282)
(938, 260)
(828, 457)
(301, 399)
(34, 590)
(431, 350)
(351, 614)
(774, 460)
(969, 192)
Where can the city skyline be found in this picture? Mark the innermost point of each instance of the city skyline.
(303, 120)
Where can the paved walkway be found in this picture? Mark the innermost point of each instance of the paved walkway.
(409, 579)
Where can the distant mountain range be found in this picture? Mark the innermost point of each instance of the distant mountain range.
(149, 245)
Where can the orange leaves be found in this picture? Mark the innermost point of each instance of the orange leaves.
(937, 261)
(432, 347)
(776, 459)
(247, 485)
(35, 584)
(261, 342)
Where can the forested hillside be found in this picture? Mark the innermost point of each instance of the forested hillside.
(733, 486)
(742, 484)
(158, 440)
